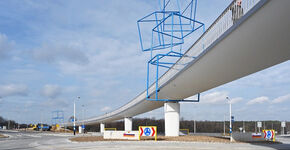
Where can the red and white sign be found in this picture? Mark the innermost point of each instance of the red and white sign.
(269, 134)
(256, 135)
(147, 130)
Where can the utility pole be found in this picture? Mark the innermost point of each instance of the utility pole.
(8, 127)
(272, 126)
(231, 134)
(244, 130)
(194, 126)
(83, 126)
(256, 126)
(264, 125)
(75, 115)
(224, 125)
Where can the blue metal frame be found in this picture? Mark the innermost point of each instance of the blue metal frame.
(170, 27)
(170, 100)
(162, 32)
(57, 117)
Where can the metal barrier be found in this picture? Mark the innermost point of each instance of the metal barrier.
(186, 130)
(110, 129)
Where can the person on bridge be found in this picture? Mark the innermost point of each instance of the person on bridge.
(237, 11)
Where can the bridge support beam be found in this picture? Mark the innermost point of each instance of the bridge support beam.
(171, 110)
(128, 123)
(102, 127)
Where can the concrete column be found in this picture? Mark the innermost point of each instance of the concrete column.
(80, 129)
(128, 123)
(102, 128)
(171, 110)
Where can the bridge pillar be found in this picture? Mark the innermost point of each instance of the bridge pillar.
(128, 123)
(102, 127)
(171, 110)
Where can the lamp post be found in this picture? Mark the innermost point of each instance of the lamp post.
(83, 125)
(75, 115)
(224, 125)
(231, 135)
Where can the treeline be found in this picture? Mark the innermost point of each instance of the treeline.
(201, 126)
(11, 124)
(8, 123)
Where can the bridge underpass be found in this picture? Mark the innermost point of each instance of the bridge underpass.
(225, 52)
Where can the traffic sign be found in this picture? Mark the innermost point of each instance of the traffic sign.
(259, 124)
(269, 134)
(148, 131)
(283, 124)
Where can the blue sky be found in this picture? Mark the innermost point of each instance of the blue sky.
(51, 52)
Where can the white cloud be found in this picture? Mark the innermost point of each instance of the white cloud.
(55, 52)
(51, 91)
(106, 108)
(56, 103)
(281, 99)
(236, 100)
(109, 56)
(214, 97)
(70, 89)
(270, 77)
(258, 100)
(13, 90)
(5, 46)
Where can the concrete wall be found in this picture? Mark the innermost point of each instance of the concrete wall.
(247, 137)
(128, 135)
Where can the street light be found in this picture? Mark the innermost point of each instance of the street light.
(83, 125)
(75, 115)
(231, 137)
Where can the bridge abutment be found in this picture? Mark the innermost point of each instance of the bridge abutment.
(171, 116)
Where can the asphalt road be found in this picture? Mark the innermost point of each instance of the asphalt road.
(29, 140)
(50, 141)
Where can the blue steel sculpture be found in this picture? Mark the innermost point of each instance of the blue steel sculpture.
(57, 117)
(170, 25)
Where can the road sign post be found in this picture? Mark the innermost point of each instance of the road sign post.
(148, 131)
(283, 125)
(259, 125)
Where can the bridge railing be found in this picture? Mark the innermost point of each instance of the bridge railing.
(226, 20)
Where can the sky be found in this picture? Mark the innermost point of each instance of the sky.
(52, 52)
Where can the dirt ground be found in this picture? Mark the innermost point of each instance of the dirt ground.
(159, 138)
(2, 136)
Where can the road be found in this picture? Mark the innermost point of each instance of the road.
(49, 141)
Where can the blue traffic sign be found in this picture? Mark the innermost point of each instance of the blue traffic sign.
(147, 131)
(269, 134)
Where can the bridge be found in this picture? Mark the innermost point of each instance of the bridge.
(225, 52)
